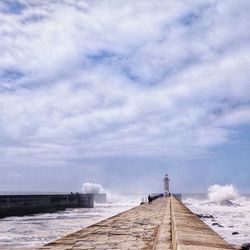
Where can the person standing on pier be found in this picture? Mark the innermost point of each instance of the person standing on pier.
(149, 199)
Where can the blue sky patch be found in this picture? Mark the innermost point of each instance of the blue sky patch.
(13, 6)
(11, 75)
(101, 56)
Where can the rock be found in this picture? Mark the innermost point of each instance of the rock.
(202, 216)
(245, 246)
(216, 224)
(210, 216)
(234, 233)
(226, 203)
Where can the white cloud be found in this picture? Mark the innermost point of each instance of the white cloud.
(112, 78)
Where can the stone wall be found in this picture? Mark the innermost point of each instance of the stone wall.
(16, 205)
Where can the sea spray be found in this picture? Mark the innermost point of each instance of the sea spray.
(92, 188)
(112, 197)
(218, 193)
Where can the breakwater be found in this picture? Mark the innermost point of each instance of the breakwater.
(164, 224)
(18, 205)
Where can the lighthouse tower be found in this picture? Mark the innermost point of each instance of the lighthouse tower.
(166, 185)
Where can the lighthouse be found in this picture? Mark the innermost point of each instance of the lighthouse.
(166, 185)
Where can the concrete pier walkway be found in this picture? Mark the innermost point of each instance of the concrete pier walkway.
(164, 224)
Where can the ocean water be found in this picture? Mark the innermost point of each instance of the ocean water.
(36, 230)
(227, 219)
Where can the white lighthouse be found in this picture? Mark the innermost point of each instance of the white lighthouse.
(166, 185)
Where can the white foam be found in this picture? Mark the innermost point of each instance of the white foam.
(218, 193)
(92, 188)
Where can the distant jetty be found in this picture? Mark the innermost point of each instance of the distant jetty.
(18, 205)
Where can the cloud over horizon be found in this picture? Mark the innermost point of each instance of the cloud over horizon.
(89, 79)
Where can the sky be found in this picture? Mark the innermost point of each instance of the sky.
(120, 92)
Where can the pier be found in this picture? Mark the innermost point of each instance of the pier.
(18, 205)
(166, 223)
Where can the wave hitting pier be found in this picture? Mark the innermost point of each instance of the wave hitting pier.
(164, 224)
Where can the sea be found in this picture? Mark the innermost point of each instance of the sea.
(230, 220)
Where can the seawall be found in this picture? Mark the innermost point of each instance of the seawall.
(164, 224)
(17, 205)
